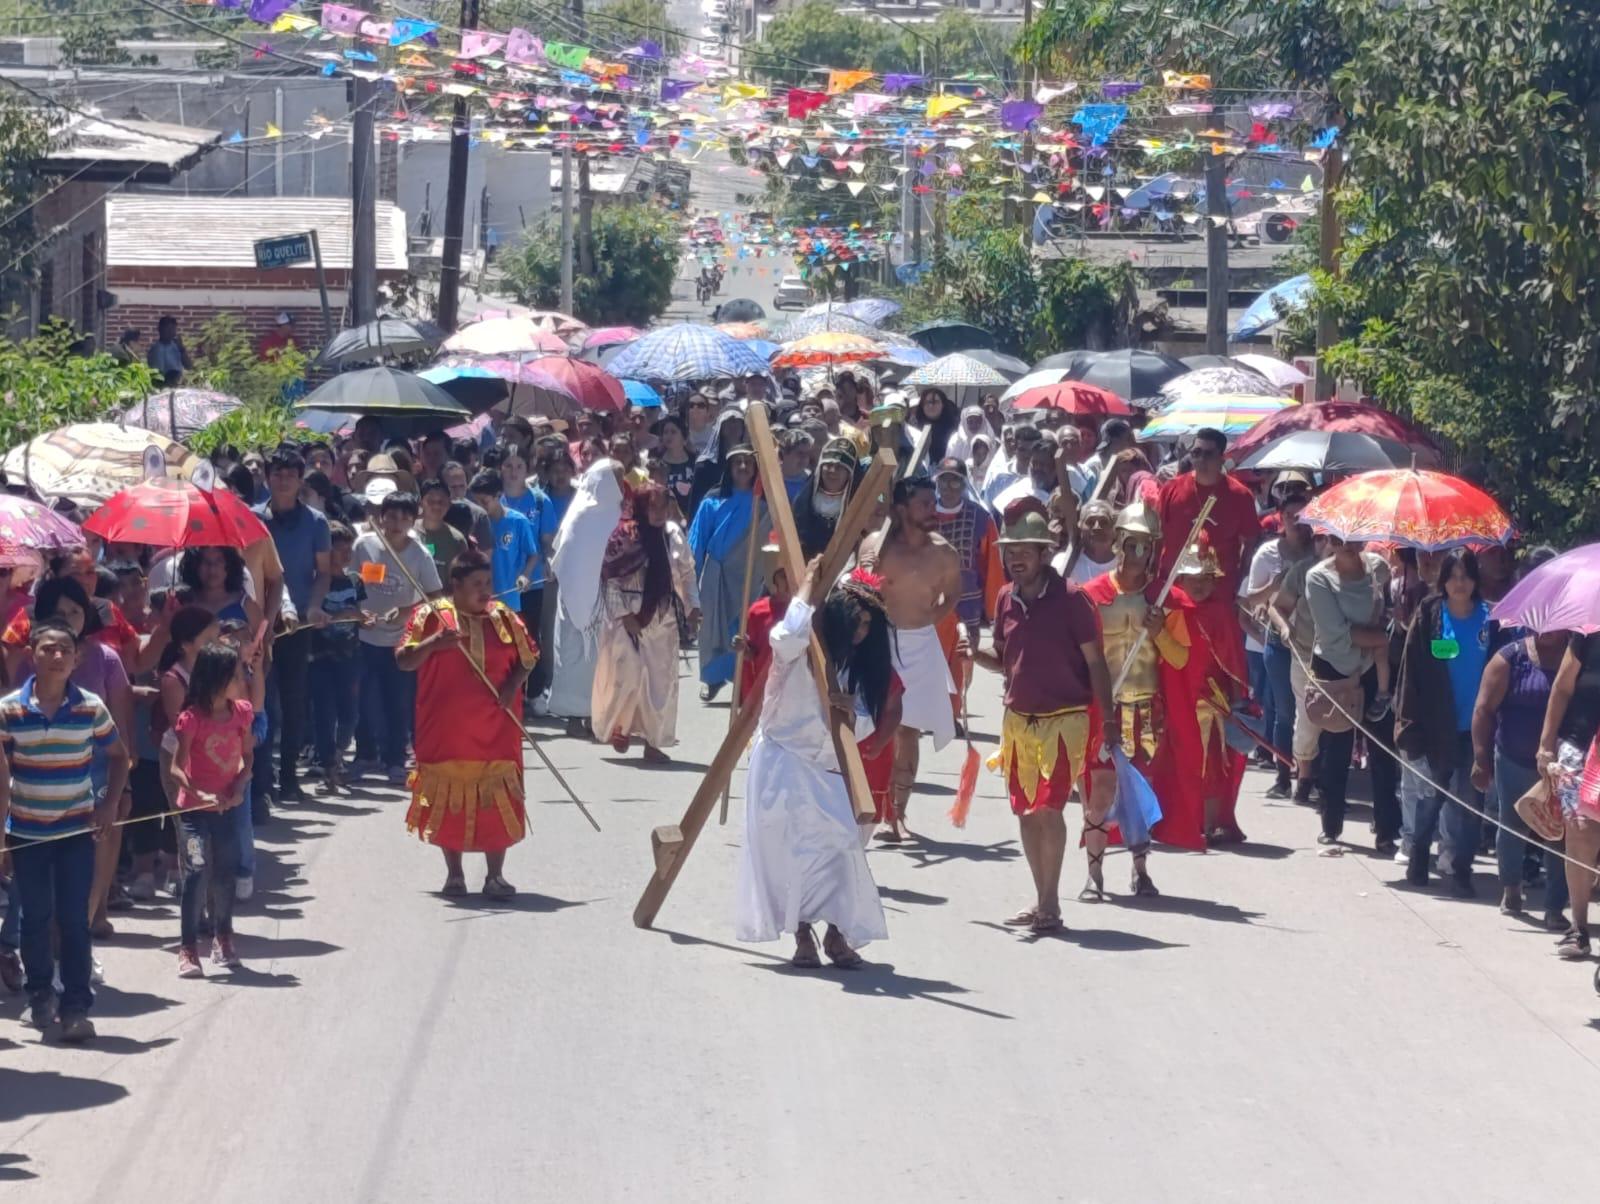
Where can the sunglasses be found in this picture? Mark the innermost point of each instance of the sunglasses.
(1096, 524)
(1204, 453)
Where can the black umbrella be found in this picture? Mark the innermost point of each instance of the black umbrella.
(948, 335)
(740, 309)
(379, 339)
(1330, 451)
(1128, 373)
(1195, 362)
(1007, 365)
(384, 392)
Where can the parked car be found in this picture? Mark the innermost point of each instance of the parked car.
(792, 293)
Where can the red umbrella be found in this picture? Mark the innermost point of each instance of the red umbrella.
(595, 388)
(1072, 397)
(176, 514)
(1411, 507)
(1330, 416)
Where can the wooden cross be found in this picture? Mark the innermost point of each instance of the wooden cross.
(671, 843)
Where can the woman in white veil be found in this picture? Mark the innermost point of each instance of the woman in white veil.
(579, 549)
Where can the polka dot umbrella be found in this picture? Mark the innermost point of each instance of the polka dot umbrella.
(176, 514)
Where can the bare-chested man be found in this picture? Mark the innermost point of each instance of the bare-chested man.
(921, 585)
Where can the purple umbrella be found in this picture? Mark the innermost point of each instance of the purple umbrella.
(1560, 595)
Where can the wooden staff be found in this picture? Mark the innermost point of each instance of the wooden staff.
(495, 690)
(1166, 588)
(750, 545)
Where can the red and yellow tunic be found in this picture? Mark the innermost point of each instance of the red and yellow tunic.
(466, 792)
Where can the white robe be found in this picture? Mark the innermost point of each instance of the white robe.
(580, 546)
(803, 857)
(636, 689)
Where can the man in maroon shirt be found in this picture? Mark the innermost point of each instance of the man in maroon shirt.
(1047, 644)
(1233, 526)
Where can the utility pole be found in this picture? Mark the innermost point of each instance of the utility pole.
(455, 197)
(1216, 253)
(585, 197)
(1329, 245)
(566, 229)
(363, 205)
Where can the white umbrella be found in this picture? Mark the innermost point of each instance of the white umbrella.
(1285, 376)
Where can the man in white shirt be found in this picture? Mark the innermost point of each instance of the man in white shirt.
(392, 565)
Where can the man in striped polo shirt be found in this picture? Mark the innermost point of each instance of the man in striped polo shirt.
(50, 733)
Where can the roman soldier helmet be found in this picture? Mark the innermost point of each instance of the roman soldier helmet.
(1136, 518)
(1199, 559)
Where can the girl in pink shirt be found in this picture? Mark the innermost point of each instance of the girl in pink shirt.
(211, 769)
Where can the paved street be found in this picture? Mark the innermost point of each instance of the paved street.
(1277, 1022)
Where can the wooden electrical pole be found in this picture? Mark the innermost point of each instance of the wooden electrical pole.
(1216, 252)
(1329, 244)
(363, 204)
(455, 197)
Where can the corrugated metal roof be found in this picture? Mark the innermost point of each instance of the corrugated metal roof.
(145, 150)
(150, 230)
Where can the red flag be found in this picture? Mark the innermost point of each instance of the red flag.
(802, 103)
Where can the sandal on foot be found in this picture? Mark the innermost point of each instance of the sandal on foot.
(1142, 885)
(806, 956)
(1574, 946)
(1045, 924)
(840, 953)
(889, 836)
(1093, 891)
(454, 886)
(1023, 918)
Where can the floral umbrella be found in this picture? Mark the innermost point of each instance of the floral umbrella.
(89, 461)
(179, 413)
(1229, 413)
(1330, 416)
(505, 336)
(28, 530)
(829, 347)
(1413, 507)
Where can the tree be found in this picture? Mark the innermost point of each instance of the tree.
(636, 256)
(628, 22)
(803, 43)
(1470, 289)
(226, 360)
(46, 385)
(24, 137)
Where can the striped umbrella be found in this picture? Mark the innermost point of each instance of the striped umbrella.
(956, 371)
(687, 351)
(1232, 414)
(829, 347)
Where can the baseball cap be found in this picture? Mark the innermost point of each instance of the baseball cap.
(377, 489)
(951, 467)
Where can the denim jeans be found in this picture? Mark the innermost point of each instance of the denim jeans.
(385, 706)
(1512, 780)
(1458, 827)
(532, 610)
(1261, 692)
(335, 691)
(53, 882)
(11, 926)
(287, 707)
(1411, 788)
(209, 840)
(1278, 659)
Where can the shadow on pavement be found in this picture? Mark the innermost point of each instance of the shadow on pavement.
(672, 766)
(1200, 909)
(268, 948)
(112, 1043)
(1101, 939)
(25, 1093)
(475, 906)
(880, 980)
(925, 851)
(1255, 849)
(109, 1001)
(11, 1168)
(244, 976)
(898, 895)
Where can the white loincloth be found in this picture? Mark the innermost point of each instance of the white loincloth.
(919, 660)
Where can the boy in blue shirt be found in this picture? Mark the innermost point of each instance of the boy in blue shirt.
(515, 554)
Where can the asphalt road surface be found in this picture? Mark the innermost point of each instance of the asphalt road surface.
(1278, 1023)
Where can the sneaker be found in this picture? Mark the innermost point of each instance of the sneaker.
(243, 888)
(189, 963)
(541, 704)
(1510, 902)
(397, 775)
(1573, 946)
(364, 769)
(118, 898)
(291, 793)
(75, 1030)
(1387, 848)
(97, 971)
(1445, 864)
(222, 953)
(1278, 791)
(143, 888)
(1378, 708)
(11, 970)
(42, 1011)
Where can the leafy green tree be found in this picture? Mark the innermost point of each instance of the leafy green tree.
(45, 385)
(627, 22)
(636, 255)
(803, 43)
(226, 360)
(24, 138)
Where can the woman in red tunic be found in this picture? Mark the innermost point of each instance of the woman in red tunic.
(466, 792)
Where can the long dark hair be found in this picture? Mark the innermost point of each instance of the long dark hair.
(212, 674)
(56, 588)
(232, 569)
(1468, 560)
(188, 622)
(866, 667)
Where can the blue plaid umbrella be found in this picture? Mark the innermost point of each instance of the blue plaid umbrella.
(686, 352)
(871, 310)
